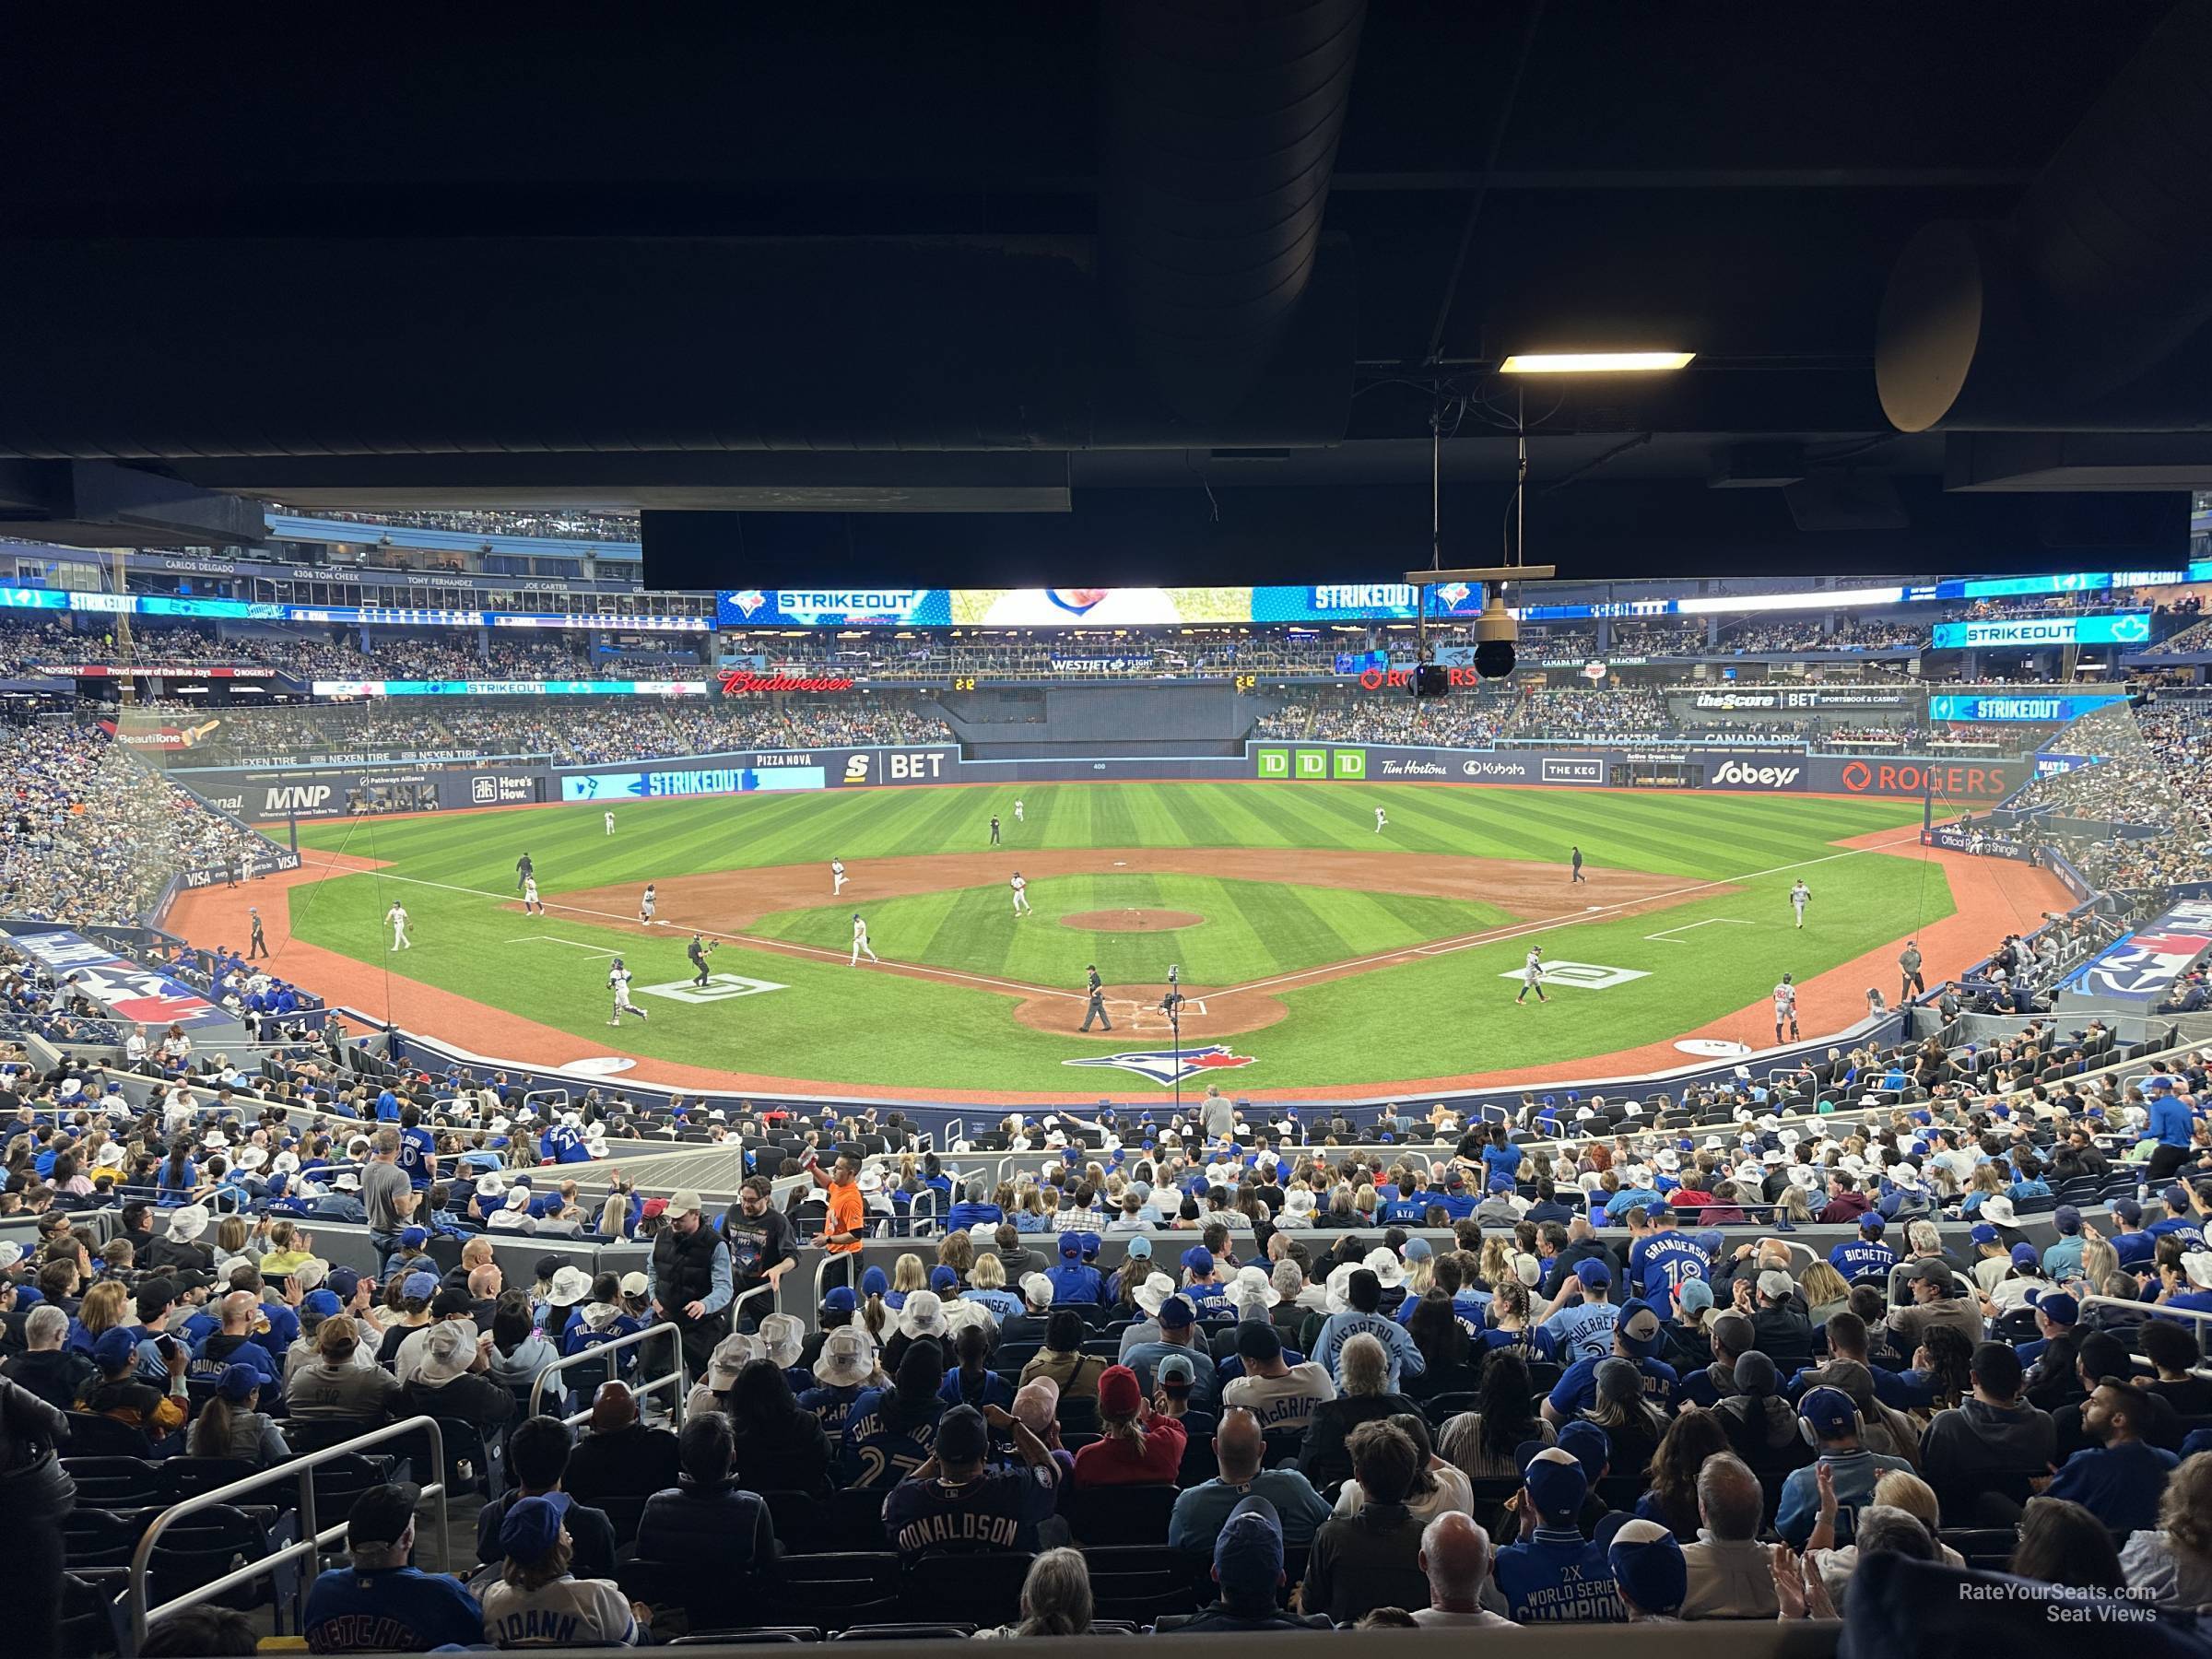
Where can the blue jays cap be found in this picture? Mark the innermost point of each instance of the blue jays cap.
(2066, 1218)
(942, 1279)
(1071, 1245)
(1981, 1233)
(1555, 1485)
(2058, 1308)
(1637, 1330)
(1417, 1249)
(839, 1299)
(1248, 1550)
(875, 1282)
(531, 1528)
(1592, 1271)
(1139, 1248)
(1829, 1411)
(113, 1350)
(1198, 1259)
(237, 1382)
(1648, 1566)
(414, 1238)
(322, 1304)
(2129, 1210)
(1872, 1225)
(1175, 1314)
(418, 1285)
(1588, 1445)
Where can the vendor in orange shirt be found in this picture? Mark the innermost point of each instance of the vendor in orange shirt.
(848, 1219)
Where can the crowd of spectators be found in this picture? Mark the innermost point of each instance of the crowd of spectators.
(88, 834)
(605, 528)
(2153, 770)
(1589, 1377)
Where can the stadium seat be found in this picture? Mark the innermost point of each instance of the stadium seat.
(1102, 1517)
(92, 1621)
(184, 1478)
(748, 1636)
(93, 1538)
(94, 1436)
(906, 1632)
(115, 1483)
(963, 1587)
(831, 1589)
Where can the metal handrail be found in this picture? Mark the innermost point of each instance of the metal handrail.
(678, 1377)
(311, 1540)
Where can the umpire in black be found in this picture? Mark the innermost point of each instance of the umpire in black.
(1097, 1009)
(697, 950)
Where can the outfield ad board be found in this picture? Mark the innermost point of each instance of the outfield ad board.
(280, 794)
(2141, 970)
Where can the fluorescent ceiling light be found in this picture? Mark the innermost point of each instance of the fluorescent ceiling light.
(1592, 362)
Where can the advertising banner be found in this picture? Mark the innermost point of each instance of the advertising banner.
(278, 794)
(1951, 838)
(515, 688)
(2127, 627)
(672, 782)
(1939, 780)
(1790, 701)
(2040, 709)
(124, 989)
(1086, 607)
(2142, 970)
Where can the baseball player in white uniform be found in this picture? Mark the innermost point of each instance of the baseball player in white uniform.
(646, 905)
(1798, 895)
(1379, 820)
(532, 903)
(1021, 895)
(837, 876)
(1785, 1008)
(397, 917)
(1532, 975)
(1017, 811)
(617, 981)
(859, 940)
(610, 821)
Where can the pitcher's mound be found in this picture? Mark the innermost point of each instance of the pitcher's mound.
(1130, 921)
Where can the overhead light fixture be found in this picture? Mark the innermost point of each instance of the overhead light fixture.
(1593, 362)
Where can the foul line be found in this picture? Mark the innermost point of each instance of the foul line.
(1709, 922)
(751, 940)
(1518, 930)
(572, 944)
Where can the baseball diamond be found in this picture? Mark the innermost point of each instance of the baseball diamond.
(1351, 967)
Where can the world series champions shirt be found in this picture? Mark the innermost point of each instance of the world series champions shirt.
(998, 1510)
(1557, 1577)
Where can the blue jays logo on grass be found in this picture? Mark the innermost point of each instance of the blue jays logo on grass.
(1160, 1064)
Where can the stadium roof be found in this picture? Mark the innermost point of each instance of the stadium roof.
(1160, 287)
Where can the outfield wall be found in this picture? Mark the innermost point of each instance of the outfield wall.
(279, 794)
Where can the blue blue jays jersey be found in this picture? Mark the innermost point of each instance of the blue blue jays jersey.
(1662, 1264)
(1862, 1258)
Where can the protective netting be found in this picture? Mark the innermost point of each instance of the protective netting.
(93, 832)
(2133, 808)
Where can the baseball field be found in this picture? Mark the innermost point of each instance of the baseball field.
(1316, 951)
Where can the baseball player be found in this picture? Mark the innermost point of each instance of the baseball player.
(617, 980)
(1785, 1008)
(1532, 976)
(256, 945)
(859, 940)
(1381, 821)
(1575, 859)
(646, 904)
(397, 917)
(699, 950)
(994, 829)
(610, 828)
(524, 870)
(1017, 811)
(1798, 895)
(1021, 895)
(531, 904)
(1097, 1008)
(837, 877)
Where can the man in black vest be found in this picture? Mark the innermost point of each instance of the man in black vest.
(689, 1279)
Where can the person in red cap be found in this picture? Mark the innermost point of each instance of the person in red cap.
(1138, 1444)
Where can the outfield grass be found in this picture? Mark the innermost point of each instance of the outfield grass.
(1436, 1016)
